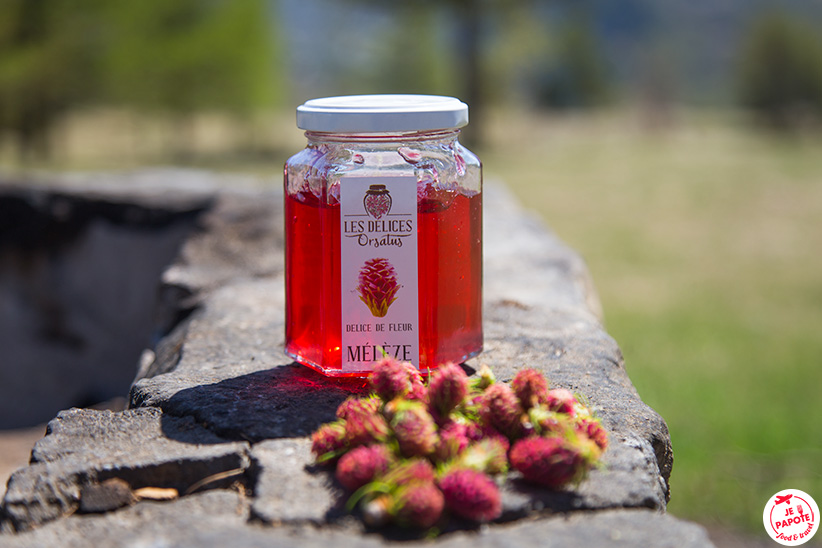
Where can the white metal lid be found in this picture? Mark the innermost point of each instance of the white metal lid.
(382, 113)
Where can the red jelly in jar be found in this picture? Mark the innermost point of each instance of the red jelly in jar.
(383, 213)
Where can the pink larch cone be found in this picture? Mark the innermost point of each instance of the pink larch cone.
(418, 504)
(378, 285)
(354, 406)
(392, 378)
(530, 387)
(471, 494)
(551, 462)
(453, 441)
(447, 388)
(362, 464)
(594, 430)
(414, 429)
(329, 442)
(562, 401)
(500, 409)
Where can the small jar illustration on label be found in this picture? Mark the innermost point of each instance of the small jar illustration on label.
(383, 213)
(377, 201)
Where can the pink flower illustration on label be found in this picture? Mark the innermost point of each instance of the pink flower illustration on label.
(378, 285)
(377, 201)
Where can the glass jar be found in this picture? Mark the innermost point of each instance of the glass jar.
(383, 213)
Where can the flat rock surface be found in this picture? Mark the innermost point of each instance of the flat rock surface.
(288, 491)
(218, 519)
(85, 447)
(222, 372)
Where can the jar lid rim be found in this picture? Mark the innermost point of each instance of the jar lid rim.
(382, 113)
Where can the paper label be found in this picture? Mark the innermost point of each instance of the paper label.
(378, 240)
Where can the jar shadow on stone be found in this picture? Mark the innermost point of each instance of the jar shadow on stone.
(286, 401)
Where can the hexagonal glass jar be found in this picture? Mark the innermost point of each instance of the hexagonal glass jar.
(383, 213)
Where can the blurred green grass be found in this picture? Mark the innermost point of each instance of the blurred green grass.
(704, 242)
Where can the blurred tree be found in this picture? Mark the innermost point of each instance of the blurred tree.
(780, 74)
(46, 67)
(577, 75)
(469, 21)
(573, 73)
(188, 55)
(516, 55)
(180, 58)
(470, 14)
(413, 57)
(174, 58)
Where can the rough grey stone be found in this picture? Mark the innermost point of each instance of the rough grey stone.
(616, 528)
(222, 372)
(106, 496)
(78, 277)
(540, 311)
(81, 258)
(236, 240)
(233, 375)
(196, 520)
(288, 490)
(255, 393)
(142, 447)
(575, 353)
(624, 481)
(219, 518)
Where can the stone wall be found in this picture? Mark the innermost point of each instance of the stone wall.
(219, 414)
(79, 274)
